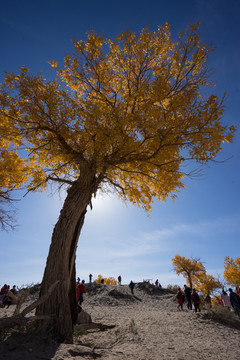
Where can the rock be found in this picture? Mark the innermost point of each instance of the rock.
(84, 318)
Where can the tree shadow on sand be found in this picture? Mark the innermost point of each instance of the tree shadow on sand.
(27, 346)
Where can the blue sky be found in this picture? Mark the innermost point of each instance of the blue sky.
(117, 238)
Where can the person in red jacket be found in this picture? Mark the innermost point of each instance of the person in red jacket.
(80, 291)
(179, 296)
(4, 290)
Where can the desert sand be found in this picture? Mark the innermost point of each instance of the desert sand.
(146, 326)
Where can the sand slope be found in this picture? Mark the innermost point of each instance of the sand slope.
(147, 327)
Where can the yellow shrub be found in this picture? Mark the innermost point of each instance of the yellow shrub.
(99, 278)
(173, 287)
(109, 281)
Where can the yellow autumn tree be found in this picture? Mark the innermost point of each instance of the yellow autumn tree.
(190, 269)
(13, 172)
(122, 114)
(108, 281)
(232, 271)
(206, 283)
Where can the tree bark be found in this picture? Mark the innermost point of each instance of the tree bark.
(61, 258)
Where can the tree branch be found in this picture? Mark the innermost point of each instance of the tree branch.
(57, 179)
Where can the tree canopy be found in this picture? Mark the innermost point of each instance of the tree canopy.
(232, 270)
(13, 173)
(132, 109)
(191, 269)
(206, 283)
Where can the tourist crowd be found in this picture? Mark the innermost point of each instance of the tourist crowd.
(195, 302)
(187, 295)
(7, 295)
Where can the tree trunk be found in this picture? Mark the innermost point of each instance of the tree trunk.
(190, 280)
(61, 258)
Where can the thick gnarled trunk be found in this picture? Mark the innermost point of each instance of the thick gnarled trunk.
(61, 259)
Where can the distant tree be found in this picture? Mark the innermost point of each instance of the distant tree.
(108, 281)
(173, 287)
(122, 115)
(232, 270)
(191, 269)
(206, 283)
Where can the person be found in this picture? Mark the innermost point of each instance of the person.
(78, 280)
(179, 297)
(7, 301)
(196, 300)
(80, 291)
(235, 302)
(90, 278)
(156, 283)
(4, 296)
(14, 290)
(132, 285)
(225, 299)
(4, 289)
(187, 292)
(102, 281)
(119, 280)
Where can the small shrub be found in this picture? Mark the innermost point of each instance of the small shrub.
(132, 327)
(78, 333)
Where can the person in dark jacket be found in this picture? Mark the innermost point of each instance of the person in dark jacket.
(235, 302)
(196, 300)
(187, 292)
(132, 285)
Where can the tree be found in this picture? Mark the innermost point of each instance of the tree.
(123, 114)
(109, 281)
(13, 173)
(190, 269)
(232, 270)
(206, 283)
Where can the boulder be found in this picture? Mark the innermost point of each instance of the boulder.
(84, 318)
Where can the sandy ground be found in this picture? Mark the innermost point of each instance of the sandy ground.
(146, 327)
